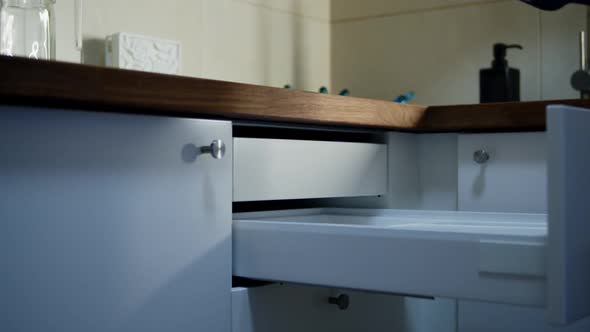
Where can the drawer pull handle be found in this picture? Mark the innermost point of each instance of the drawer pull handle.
(216, 149)
(342, 301)
(481, 156)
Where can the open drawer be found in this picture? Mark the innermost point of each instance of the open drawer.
(521, 259)
(481, 256)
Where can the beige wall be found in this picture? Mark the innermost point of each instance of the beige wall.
(382, 48)
(268, 42)
(376, 48)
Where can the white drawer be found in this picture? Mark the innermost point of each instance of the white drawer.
(273, 169)
(523, 259)
(480, 256)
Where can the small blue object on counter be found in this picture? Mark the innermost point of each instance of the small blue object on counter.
(404, 99)
(344, 92)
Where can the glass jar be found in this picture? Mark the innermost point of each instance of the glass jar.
(27, 28)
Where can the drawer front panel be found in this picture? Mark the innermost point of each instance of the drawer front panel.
(273, 169)
(425, 253)
(568, 291)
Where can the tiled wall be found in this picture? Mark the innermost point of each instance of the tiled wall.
(268, 42)
(382, 48)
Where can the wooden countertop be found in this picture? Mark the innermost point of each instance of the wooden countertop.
(72, 86)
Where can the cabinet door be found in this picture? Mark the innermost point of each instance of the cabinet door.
(113, 223)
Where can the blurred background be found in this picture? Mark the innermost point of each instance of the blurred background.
(375, 48)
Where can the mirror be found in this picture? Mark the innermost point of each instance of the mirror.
(437, 48)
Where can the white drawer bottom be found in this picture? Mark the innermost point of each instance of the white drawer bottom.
(479, 256)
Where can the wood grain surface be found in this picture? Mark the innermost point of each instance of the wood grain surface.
(73, 86)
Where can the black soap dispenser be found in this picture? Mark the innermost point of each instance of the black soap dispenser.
(499, 83)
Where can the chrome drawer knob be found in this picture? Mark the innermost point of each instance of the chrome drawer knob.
(342, 301)
(481, 156)
(216, 149)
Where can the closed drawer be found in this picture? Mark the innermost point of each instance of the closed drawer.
(274, 169)
(523, 259)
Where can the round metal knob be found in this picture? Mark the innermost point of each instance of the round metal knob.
(216, 149)
(481, 156)
(581, 80)
(342, 301)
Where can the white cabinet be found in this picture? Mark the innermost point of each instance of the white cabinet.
(113, 223)
(522, 259)
(122, 223)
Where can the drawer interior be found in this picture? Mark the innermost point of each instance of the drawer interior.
(282, 169)
(479, 225)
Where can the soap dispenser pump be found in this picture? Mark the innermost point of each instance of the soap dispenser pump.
(499, 83)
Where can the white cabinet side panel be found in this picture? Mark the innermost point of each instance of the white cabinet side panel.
(513, 180)
(568, 276)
